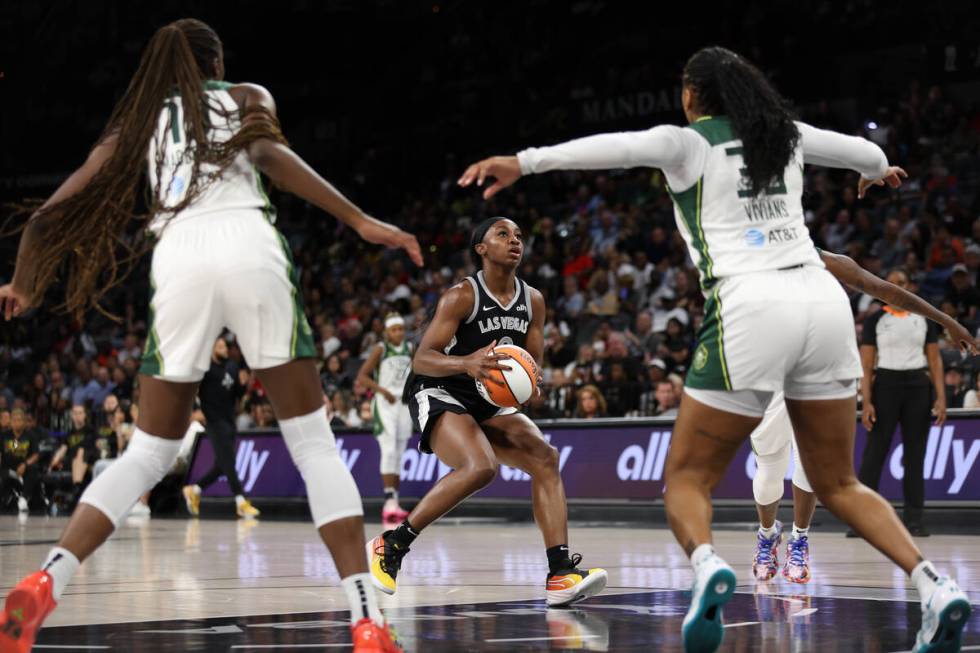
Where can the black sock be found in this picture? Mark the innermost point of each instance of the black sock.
(558, 558)
(404, 535)
(389, 493)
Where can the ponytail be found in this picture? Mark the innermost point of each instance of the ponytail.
(726, 84)
(84, 236)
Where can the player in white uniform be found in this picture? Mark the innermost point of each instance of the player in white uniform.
(775, 319)
(391, 361)
(773, 439)
(217, 262)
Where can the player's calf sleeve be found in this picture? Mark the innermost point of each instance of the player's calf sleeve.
(330, 488)
(767, 486)
(146, 460)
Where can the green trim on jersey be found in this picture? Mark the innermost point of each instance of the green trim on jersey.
(709, 368)
(301, 342)
(688, 204)
(715, 129)
(378, 426)
(389, 352)
(269, 210)
(152, 361)
(217, 85)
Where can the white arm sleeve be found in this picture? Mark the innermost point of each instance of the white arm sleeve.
(665, 146)
(823, 147)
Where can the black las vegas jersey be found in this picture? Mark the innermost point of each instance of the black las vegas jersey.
(489, 321)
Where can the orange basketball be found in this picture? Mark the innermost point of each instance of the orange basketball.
(518, 383)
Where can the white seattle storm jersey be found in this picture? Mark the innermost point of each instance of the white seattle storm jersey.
(239, 186)
(727, 230)
(396, 362)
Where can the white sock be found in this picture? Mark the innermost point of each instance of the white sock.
(924, 576)
(701, 554)
(362, 600)
(767, 532)
(61, 564)
(239, 500)
(799, 532)
(197, 489)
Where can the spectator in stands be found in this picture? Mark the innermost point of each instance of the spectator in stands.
(667, 399)
(972, 398)
(621, 393)
(956, 386)
(95, 391)
(591, 403)
(18, 464)
(78, 450)
(4, 420)
(963, 295)
(334, 377)
(341, 413)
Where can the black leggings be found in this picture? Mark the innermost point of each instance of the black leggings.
(900, 398)
(26, 486)
(222, 437)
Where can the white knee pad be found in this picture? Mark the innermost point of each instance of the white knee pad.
(767, 486)
(146, 460)
(799, 475)
(330, 488)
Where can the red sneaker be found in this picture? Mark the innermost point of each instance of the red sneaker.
(369, 637)
(25, 610)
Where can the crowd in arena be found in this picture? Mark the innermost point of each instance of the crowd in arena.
(623, 299)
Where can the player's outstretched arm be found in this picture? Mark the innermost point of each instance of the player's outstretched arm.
(454, 306)
(824, 147)
(846, 270)
(664, 146)
(290, 172)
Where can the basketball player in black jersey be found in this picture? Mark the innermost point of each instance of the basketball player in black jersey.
(472, 435)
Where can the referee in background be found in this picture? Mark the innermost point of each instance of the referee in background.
(902, 384)
(221, 388)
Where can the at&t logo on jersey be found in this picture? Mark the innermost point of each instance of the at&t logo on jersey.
(755, 238)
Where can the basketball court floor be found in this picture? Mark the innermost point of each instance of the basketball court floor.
(211, 585)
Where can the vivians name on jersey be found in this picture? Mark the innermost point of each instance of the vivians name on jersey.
(506, 322)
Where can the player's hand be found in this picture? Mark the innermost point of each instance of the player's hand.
(390, 398)
(13, 302)
(382, 233)
(939, 410)
(21, 469)
(868, 415)
(480, 363)
(961, 336)
(504, 169)
(893, 177)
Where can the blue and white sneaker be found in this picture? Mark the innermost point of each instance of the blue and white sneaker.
(714, 584)
(765, 563)
(944, 615)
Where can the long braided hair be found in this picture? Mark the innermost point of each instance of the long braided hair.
(88, 238)
(726, 84)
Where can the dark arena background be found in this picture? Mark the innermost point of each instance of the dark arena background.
(391, 100)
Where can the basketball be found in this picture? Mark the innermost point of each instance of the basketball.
(518, 382)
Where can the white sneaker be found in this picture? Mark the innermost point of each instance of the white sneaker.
(714, 584)
(944, 614)
(22, 504)
(140, 510)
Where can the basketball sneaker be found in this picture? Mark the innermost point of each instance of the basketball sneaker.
(369, 637)
(385, 557)
(393, 514)
(26, 608)
(765, 564)
(571, 585)
(714, 584)
(944, 615)
(797, 567)
(246, 510)
(192, 497)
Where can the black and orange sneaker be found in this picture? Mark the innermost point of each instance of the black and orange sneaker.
(571, 585)
(385, 558)
(369, 637)
(23, 613)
